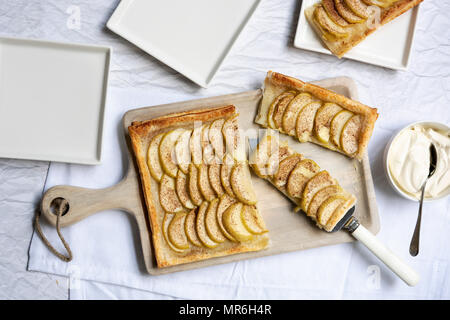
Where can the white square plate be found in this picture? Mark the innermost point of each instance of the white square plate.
(389, 46)
(52, 99)
(193, 37)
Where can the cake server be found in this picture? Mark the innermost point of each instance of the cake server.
(351, 224)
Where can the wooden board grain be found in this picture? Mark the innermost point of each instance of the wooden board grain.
(288, 231)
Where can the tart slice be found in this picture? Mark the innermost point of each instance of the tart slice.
(313, 190)
(323, 117)
(197, 186)
(342, 24)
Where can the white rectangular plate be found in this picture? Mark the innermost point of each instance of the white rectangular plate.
(389, 46)
(52, 99)
(192, 37)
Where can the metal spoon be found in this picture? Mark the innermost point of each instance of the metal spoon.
(414, 246)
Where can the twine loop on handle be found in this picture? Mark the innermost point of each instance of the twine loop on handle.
(60, 211)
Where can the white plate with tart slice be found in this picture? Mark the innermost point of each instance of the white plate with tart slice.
(387, 44)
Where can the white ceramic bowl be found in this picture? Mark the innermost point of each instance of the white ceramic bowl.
(431, 124)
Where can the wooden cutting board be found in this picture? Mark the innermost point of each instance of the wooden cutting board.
(288, 231)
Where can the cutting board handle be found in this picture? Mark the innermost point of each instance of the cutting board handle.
(83, 202)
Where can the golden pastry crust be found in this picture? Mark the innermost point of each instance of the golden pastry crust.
(359, 31)
(276, 83)
(141, 133)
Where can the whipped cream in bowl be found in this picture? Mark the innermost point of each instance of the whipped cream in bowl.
(407, 160)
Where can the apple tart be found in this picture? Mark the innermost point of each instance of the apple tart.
(311, 113)
(342, 24)
(197, 186)
(312, 189)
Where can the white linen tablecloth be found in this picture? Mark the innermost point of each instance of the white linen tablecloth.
(106, 246)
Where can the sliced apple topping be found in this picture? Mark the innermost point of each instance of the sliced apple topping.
(176, 233)
(337, 124)
(322, 122)
(280, 108)
(346, 12)
(190, 228)
(225, 174)
(350, 135)
(305, 121)
(319, 181)
(235, 144)
(194, 191)
(195, 145)
(216, 137)
(274, 160)
(339, 213)
(181, 186)
(273, 107)
(252, 221)
(326, 23)
(241, 183)
(358, 8)
(322, 195)
(330, 8)
(292, 110)
(259, 159)
(167, 152)
(214, 179)
(225, 202)
(212, 226)
(153, 162)
(232, 221)
(327, 208)
(168, 197)
(201, 227)
(379, 3)
(284, 169)
(302, 173)
(208, 151)
(203, 183)
(165, 226)
(182, 151)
